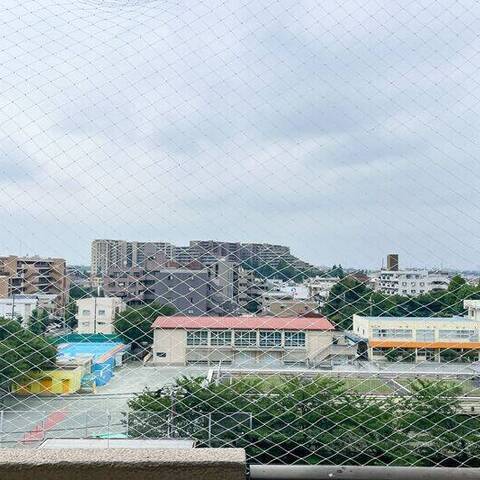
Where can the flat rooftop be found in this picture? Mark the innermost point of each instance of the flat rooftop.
(419, 319)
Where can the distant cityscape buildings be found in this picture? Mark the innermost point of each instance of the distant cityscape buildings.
(108, 254)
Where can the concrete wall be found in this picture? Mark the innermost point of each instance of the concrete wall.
(173, 343)
(317, 341)
(122, 464)
(61, 381)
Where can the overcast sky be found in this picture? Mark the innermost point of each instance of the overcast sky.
(344, 129)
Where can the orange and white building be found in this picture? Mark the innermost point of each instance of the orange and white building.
(423, 338)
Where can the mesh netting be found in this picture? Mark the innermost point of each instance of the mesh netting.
(198, 204)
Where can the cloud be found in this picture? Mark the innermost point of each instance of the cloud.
(344, 130)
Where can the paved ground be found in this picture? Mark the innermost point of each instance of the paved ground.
(27, 420)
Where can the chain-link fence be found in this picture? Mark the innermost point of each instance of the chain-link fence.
(308, 140)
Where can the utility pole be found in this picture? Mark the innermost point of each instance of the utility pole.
(13, 306)
(94, 314)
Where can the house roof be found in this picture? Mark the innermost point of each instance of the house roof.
(247, 323)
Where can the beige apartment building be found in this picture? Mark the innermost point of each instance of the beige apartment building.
(97, 314)
(35, 276)
(245, 341)
(423, 338)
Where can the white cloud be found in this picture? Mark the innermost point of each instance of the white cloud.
(344, 129)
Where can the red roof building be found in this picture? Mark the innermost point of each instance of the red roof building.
(244, 323)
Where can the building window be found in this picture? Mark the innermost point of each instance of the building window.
(392, 333)
(161, 354)
(428, 354)
(379, 332)
(426, 335)
(85, 312)
(270, 339)
(197, 337)
(467, 335)
(294, 339)
(244, 338)
(220, 338)
(101, 313)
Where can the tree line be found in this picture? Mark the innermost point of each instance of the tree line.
(315, 421)
(350, 296)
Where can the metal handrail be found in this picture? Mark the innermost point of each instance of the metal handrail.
(325, 472)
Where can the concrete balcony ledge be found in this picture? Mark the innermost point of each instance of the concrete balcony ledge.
(122, 464)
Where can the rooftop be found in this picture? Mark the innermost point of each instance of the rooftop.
(247, 323)
(98, 350)
(418, 319)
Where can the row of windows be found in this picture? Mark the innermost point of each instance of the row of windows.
(469, 335)
(245, 338)
(425, 335)
(87, 312)
(392, 333)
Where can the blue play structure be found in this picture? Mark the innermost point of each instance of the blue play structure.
(102, 354)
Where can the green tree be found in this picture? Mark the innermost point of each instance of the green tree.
(456, 283)
(319, 420)
(134, 324)
(21, 351)
(76, 292)
(38, 321)
(70, 314)
(346, 298)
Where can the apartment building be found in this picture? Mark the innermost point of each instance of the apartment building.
(229, 251)
(411, 282)
(250, 290)
(241, 341)
(190, 291)
(420, 339)
(46, 277)
(97, 314)
(108, 254)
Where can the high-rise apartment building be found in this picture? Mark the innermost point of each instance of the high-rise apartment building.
(35, 276)
(108, 254)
